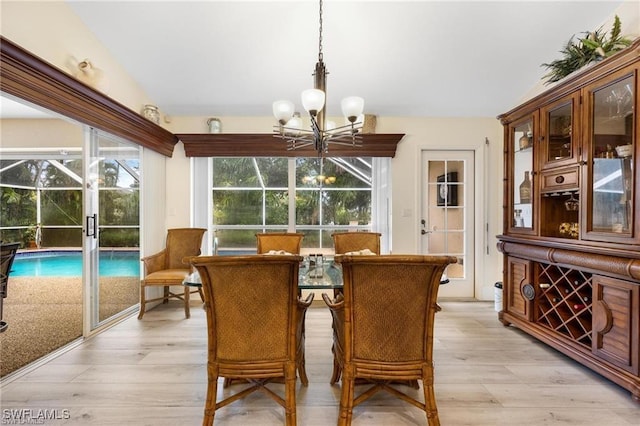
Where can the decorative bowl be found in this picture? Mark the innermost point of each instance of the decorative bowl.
(624, 150)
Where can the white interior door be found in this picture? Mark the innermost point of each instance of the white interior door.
(448, 212)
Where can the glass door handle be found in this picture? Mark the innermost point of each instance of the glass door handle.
(92, 228)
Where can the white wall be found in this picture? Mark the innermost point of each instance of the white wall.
(40, 133)
(447, 134)
(52, 31)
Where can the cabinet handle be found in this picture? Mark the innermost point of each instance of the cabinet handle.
(559, 179)
(528, 292)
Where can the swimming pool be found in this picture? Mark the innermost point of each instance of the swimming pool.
(69, 264)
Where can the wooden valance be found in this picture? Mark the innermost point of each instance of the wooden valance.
(30, 78)
(266, 145)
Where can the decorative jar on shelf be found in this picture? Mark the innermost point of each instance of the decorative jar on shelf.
(525, 141)
(151, 113)
(525, 189)
(215, 125)
(92, 76)
(518, 219)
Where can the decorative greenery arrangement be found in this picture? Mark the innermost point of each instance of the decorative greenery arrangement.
(592, 48)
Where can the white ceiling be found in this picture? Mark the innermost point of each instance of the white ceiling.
(405, 58)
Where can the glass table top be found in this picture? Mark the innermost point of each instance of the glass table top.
(309, 278)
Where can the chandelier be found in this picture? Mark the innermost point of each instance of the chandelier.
(322, 133)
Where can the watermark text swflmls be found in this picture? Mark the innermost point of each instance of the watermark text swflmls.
(33, 416)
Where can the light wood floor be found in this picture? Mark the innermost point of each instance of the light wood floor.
(152, 372)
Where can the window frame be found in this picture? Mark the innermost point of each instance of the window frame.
(202, 204)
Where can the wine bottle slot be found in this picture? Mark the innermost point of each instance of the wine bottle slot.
(578, 306)
(544, 285)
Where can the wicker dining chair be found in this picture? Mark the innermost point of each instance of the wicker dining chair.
(384, 330)
(345, 242)
(289, 242)
(7, 255)
(166, 268)
(252, 321)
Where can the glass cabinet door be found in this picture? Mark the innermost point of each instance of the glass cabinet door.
(559, 132)
(612, 149)
(522, 177)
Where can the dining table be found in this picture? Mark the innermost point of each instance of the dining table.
(315, 273)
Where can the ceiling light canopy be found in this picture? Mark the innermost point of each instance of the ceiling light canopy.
(322, 132)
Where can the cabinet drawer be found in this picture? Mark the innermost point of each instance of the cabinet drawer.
(560, 180)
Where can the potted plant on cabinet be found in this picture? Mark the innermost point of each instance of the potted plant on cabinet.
(592, 48)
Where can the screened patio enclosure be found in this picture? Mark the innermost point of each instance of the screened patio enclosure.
(42, 201)
(312, 196)
(66, 283)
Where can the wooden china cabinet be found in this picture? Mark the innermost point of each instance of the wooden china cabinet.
(571, 237)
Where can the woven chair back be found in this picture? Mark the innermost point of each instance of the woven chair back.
(389, 306)
(345, 242)
(181, 243)
(251, 307)
(286, 241)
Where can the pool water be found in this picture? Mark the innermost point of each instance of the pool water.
(69, 264)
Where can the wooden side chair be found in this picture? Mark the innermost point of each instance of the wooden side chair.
(277, 241)
(252, 322)
(166, 268)
(386, 329)
(345, 242)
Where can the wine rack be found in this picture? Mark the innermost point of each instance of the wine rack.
(564, 301)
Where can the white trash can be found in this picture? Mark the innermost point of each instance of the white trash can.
(498, 296)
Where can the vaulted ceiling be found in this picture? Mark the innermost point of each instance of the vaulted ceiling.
(405, 58)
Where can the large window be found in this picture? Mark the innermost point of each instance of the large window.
(305, 195)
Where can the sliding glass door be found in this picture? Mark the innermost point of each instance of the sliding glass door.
(111, 228)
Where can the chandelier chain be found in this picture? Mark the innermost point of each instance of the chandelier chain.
(320, 36)
(318, 137)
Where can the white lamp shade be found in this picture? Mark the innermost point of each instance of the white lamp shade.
(313, 100)
(283, 111)
(352, 107)
(294, 126)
